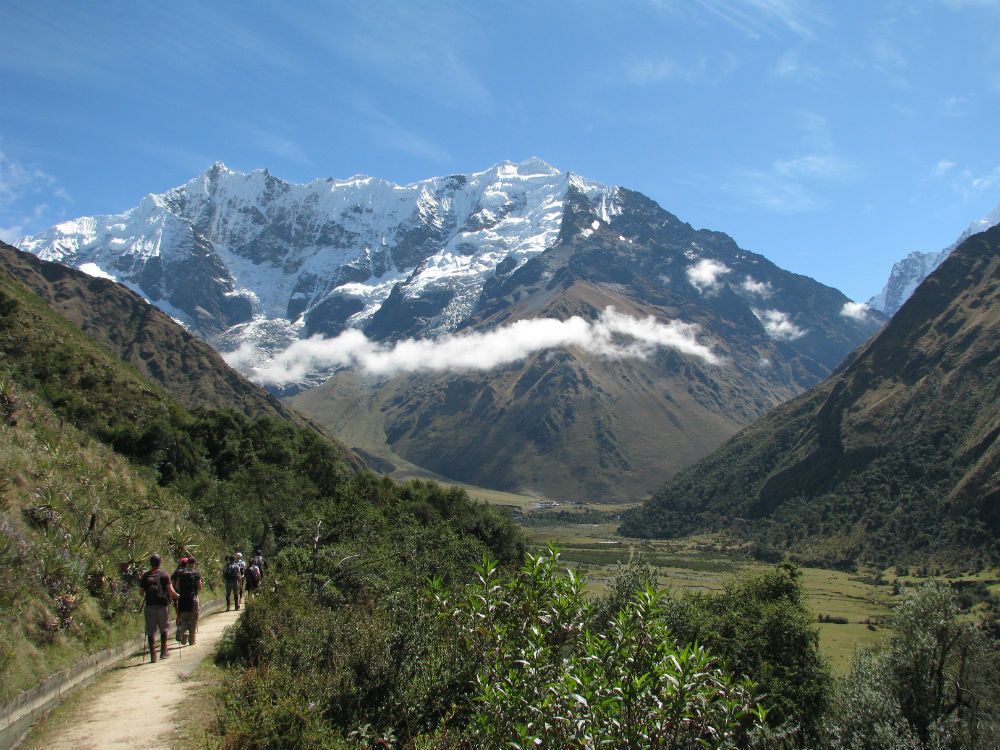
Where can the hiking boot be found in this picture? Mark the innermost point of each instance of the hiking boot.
(164, 653)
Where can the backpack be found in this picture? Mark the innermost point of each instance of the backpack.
(259, 562)
(231, 572)
(156, 591)
(188, 584)
(253, 574)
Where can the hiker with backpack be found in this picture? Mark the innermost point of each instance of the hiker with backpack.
(157, 592)
(253, 579)
(243, 571)
(258, 560)
(232, 574)
(187, 603)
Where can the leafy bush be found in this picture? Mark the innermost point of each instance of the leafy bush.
(934, 684)
(550, 677)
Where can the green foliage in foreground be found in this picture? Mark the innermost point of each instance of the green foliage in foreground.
(510, 658)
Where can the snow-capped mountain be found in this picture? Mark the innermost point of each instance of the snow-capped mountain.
(670, 338)
(238, 256)
(907, 274)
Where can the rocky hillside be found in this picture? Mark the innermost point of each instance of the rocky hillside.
(894, 458)
(568, 423)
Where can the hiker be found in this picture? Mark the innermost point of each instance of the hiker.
(260, 562)
(174, 579)
(243, 570)
(187, 603)
(253, 580)
(158, 591)
(233, 577)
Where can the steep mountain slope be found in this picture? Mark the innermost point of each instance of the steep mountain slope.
(146, 338)
(253, 263)
(894, 458)
(572, 424)
(907, 274)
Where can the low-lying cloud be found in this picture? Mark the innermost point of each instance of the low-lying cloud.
(612, 335)
(778, 325)
(752, 286)
(855, 310)
(704, 275)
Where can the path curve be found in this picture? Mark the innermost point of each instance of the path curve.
(134, 704)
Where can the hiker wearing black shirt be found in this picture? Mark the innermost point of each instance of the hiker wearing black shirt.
(189, 586)
(157, 591)
(253, 580)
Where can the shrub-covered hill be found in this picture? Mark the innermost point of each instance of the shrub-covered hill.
(894, 458)
(149, 340)
(77, 524)
(99, 467)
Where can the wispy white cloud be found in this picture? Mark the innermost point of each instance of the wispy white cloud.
(758, 18)
(956, 106)
(658, 69)
(612, 335)
(705, 275)
(760, 288)
(792, 67)
(275, 143)
(855, 311)
(789, 185)
(386, 132)
(985, 181)
(794, 185)
(888, 59)
(643, 72)
(942, 168)
(26, 194)
(426, 49)
(779, 325)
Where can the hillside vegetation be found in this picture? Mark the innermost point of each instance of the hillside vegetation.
(893, 459)
(100, 467)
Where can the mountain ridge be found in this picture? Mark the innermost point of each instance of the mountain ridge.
(255, 265)
(894, 458)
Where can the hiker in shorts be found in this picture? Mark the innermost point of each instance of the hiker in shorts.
(187, 603)
(233, 577)
(158, 593)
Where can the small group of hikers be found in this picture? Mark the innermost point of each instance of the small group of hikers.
(182, 588)
(241, 577)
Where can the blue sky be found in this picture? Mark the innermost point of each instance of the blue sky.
(834, 138)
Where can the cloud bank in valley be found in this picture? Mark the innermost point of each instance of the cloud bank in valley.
(613, 335)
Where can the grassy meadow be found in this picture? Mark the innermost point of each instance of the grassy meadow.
(851, 608)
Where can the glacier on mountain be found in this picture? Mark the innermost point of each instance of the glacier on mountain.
(269, 253)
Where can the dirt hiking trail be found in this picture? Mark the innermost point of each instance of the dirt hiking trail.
(134, 705)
